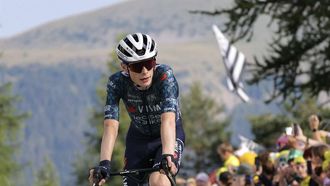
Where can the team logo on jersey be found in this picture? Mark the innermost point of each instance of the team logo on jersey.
(131, 109)
(163, 77)
(112, 84)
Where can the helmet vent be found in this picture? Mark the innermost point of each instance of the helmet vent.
(141, 52)
(145, 41)
(129, 44)
(152, 45)
(121, 49)
(135, 37)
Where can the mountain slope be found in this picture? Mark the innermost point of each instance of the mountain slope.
(99, 28)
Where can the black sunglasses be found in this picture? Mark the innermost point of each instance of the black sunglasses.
(137, 67)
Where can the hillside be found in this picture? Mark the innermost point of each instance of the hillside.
(57, 66)
(98, 29)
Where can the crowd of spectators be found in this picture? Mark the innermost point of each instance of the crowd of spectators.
(298, 160)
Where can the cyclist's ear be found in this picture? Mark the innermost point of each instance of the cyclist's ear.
(124, 67)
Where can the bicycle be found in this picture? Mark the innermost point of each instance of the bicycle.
(129, 173)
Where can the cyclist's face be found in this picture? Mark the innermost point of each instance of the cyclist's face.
(142, 73)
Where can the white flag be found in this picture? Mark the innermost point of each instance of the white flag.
(234, 62)
(247, 145)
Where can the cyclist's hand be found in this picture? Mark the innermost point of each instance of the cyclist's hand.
(168, 164)
(100, 174)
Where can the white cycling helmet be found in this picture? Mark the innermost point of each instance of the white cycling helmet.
(136, 47)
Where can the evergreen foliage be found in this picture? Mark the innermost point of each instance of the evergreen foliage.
(10, 128)
(47, 175)
(298, 60)
(203, 127)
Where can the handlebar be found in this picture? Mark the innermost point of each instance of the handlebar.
(97, 178)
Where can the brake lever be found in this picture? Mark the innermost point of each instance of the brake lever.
(168, 172)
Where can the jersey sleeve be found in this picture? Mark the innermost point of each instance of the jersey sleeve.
(111, 109)
(169, 90)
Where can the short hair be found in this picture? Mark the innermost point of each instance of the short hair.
(313, 116)
(226, 178)
(225, 147)
(319, 150)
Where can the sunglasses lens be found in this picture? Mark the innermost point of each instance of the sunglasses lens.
(137, 67)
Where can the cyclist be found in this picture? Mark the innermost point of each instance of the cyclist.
(150, 93)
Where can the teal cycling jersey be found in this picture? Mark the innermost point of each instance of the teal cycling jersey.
(144, 106)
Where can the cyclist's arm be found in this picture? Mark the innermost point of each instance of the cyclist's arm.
(169, 93)
(168, 132)
(111, 117)
(110, 133)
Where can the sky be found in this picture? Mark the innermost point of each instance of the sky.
(17, 16)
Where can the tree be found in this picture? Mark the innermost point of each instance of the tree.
(47, 175)
(299, 59)
(268, 127)
(204, 130)
(94, 136)
(10, 125)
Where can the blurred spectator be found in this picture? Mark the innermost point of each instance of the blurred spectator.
(191, 182)
(282, 159)
(301, 171)
(202, 179)
(225, 179)
(226, 153)
(298, 161)
(180, 181)
(267, 172)
(282, 142)
(314, 124)
(293, 153)
(300, 141)
(244, 175)
(326, 168)
(231, 162)
(317, 154)
(248, 158)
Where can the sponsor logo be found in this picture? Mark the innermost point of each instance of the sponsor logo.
(148, 108)
(134, 100)
(141, 120)
(149, 119)
(154, 119)
(132, 96)
(169, 109)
